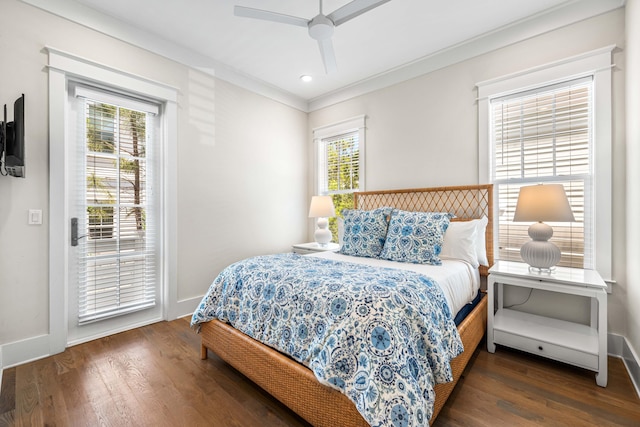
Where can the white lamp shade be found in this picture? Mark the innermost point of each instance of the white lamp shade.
(321, 207)
(538, 203)
(546, 202)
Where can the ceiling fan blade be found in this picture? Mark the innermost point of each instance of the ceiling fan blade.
(353, 9)
(328, 56)
(249, 12)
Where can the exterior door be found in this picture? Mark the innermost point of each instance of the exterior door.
(114, 274)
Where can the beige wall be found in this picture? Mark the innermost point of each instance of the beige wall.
(241, 166)
(632, 49)
(424, 132)
(242, 188)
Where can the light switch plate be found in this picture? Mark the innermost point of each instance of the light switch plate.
(35, 217)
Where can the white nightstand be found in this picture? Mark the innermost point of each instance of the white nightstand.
(306, 248)
(577, 344)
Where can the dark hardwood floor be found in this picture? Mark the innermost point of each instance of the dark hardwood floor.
(153, 376)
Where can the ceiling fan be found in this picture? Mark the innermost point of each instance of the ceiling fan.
(320, 27)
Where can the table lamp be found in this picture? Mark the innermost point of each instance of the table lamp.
(322, 208)
(542, 202)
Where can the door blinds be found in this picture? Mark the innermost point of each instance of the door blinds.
(117, 258)
(545, 136)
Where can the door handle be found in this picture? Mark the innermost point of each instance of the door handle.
(74, 232)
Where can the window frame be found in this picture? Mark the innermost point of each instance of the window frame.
(598, 64)
(347, 126)
(354, 124)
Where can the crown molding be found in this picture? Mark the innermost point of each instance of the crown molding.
(92, 19)
(566, 14)
(544, 22)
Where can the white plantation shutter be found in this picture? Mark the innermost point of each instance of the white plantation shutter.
(545, 136)
(118, 255)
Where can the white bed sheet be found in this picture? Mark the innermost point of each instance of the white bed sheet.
(458, 279)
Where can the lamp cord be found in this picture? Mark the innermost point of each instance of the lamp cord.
(521, 303)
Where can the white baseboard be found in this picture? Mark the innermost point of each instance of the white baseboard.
(24, 351)
(633, 367)
(619, 347)
(1, 369)
(19, 352)
(184, 308)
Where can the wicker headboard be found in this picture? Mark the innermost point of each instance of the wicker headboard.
(465, 202)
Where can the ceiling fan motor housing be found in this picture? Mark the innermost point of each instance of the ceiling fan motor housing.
(321, 28)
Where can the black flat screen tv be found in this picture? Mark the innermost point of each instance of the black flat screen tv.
(12, 141)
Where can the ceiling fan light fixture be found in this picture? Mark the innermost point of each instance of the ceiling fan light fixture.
(321, 28)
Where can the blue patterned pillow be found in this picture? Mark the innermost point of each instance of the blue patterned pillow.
(416, 237)
(364, 232)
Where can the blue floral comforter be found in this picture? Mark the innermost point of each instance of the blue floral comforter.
(381, 336)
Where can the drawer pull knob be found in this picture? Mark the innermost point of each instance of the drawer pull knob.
(540, 348)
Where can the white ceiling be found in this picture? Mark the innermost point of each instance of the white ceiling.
(391, 42)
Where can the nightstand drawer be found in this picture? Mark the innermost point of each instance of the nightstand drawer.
(542, 348)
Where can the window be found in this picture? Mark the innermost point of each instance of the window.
(544, 135)
(117, 259)
(545, 126)
(339, 164)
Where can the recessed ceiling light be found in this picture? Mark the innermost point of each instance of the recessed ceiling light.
(305, 78)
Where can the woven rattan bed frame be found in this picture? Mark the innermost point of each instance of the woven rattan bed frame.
(295, 385)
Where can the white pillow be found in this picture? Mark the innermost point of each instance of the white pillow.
(481, 244)
(460, 242)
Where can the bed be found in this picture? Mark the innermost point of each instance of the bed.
(296, 385)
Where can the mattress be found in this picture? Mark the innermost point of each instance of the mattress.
(458, 280)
